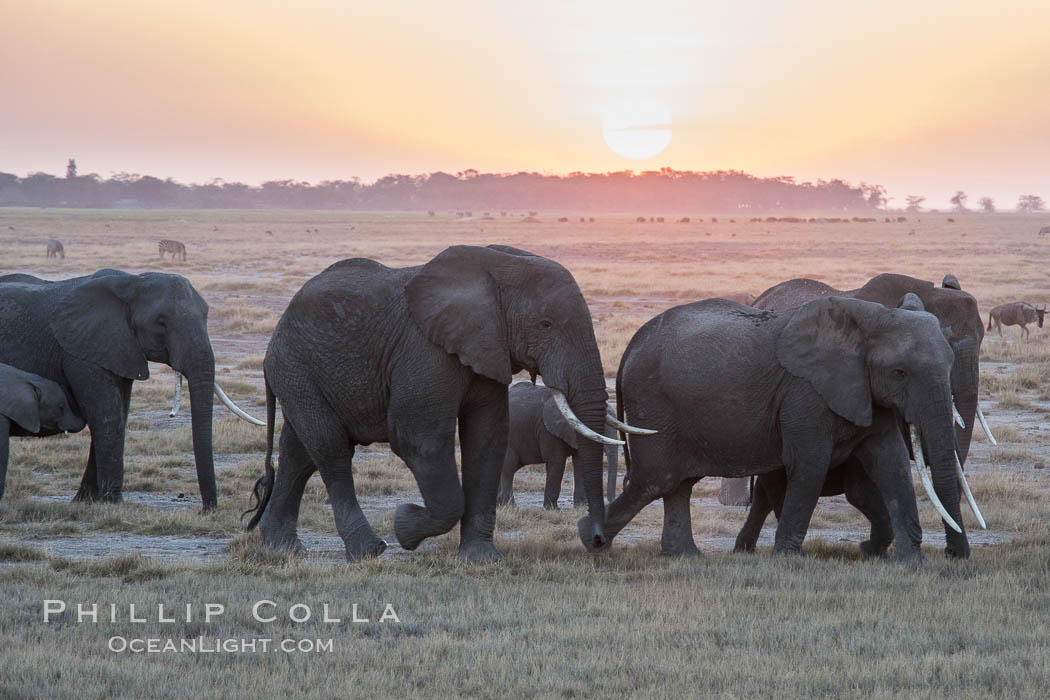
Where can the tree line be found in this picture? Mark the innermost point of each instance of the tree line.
(658, 190)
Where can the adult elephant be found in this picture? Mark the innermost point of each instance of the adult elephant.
(366, 353)
(735, 390)
(95, 335)
(540, 434)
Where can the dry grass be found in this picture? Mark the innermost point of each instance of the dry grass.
(550, 620)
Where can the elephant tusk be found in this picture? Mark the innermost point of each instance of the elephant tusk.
(614, 422)
(984, 425)
(234, 407)
(969, 494)
(927, 483)
(958, 416)
(176, 403)
(563, 405)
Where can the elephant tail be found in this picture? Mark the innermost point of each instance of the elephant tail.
(620, 417)
(989, 321)
(264, 486)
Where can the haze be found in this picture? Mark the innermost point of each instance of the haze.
(924, 100)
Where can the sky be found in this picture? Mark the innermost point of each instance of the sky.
(925, 98)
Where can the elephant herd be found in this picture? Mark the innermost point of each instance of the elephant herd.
(813, 390)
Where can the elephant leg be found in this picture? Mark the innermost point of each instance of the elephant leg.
(804, 484)
(863, 494)
(279, 523)
(105, 413)
(359, 539)
(511, 465)
(622, 510)
(5, 439)
(552, 487)
(885, 460)
(431, 457)
(677, 537)
(768, 496)
(483, 439)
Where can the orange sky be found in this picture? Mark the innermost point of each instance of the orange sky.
(925, 101)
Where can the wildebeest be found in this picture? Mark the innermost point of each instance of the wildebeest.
(1015, 313)
(174, 247)
(55, 249)
(1044, 231)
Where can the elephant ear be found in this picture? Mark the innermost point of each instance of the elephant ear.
(823, 344)
(456, 302)
(510, 250)
(93, 323)
(556, 424)
(20, 402)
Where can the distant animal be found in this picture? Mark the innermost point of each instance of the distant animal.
(1015, 313)
(1044, 231)
(950, 282)
(592, 219)
(540, 434)
(684, 220)
(563, 219)
(174, 247)
(55, 249)
(951, 220)
(640, 220)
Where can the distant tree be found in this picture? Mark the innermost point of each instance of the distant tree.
(958, 201)
(987, 205)
(1030, 203)
(71, 169)
(915, 202)
(875, 195)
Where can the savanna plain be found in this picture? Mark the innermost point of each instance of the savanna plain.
(549, 620)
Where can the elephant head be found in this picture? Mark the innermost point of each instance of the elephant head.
(501, 310)
(120, 322)
(857, 354)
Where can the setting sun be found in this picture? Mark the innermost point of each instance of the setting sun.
(639, 129)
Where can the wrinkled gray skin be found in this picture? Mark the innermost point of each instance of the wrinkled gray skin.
(539, 434)
(1015, 313)
(367, 353)
(735, 391)
(960, 321)
(55, 249)
(849, 478)
(32, 406)
(95, 335)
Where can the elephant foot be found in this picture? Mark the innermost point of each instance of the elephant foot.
(912, 557)
(409, 520)
(547, 505)
(90, 494)
(744, 546)
(479, 551)
(788, 551)
(365, 550)
(593, 538)
(291, 544)
(872, 550)
(680, 546)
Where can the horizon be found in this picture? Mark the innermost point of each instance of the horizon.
(946, 99)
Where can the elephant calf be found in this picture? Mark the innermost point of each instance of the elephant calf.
(31, 405)
(540, 434)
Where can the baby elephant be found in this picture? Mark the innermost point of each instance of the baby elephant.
(55, 249)
(539, 434)
(31, 405)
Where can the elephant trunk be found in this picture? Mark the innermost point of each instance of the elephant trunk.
(587, 398)
(197, 364)
(965, 380)
(939, 445)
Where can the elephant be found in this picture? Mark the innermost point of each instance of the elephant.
(32, 405)
(957, 313)
(539, 434)
(366, 353)
(95, 335)
(735, 391)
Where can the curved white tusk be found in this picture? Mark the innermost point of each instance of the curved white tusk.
(969, 495)
(958, 416)
(563, 405)
(615, 422)
(984, 425)
(927, 483)
(176, 402)
(234, 407)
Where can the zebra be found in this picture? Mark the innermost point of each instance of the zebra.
(174, 247)
(1015, 313)
(55, 249)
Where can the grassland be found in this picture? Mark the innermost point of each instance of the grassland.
(550, 620)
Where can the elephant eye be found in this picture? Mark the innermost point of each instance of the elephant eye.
(545, 324)
(900, 372)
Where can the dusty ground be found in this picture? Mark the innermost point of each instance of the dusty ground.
(248, 264)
